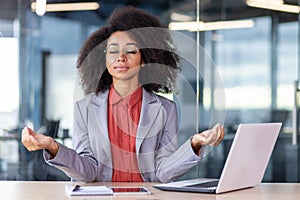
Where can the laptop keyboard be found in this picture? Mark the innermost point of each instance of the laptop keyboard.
(205, 184)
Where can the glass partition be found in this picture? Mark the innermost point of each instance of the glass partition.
(258, 66)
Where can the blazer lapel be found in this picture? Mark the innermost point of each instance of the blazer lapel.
(100, 105)
(149, 114)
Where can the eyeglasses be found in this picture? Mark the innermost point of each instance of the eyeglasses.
(113, 50)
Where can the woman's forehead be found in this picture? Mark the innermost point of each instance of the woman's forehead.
(120, 38)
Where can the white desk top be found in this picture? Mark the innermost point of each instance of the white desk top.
(44, 190)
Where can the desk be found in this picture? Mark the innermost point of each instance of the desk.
(45, 190)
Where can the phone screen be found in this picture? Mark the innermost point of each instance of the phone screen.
(130, 190)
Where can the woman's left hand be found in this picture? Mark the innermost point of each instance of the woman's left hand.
(211, 137)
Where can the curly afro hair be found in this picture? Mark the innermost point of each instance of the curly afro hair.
(156, 47)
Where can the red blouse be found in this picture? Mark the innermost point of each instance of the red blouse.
(123, 119)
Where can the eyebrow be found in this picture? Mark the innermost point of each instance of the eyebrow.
(116, 44)
(113, 44)
(132, 43)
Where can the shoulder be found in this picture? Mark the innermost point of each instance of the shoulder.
(86, 100)
(93, 98)
(157, 98)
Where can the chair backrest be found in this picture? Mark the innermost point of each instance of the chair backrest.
(52, 128)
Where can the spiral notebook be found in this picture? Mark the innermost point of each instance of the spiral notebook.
(77, 190)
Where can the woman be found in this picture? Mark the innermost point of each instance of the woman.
(123, 130)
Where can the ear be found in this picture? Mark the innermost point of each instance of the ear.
(142, 64)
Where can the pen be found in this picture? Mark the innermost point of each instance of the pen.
(76, 188)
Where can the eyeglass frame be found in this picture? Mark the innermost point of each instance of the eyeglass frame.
(123, 50)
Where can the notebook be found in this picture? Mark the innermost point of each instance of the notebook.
(245, 165)
(77, 190)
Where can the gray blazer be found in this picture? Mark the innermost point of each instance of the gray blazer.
(158, 155)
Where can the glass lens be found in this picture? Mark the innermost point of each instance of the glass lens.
(131, 49)
(113, 50)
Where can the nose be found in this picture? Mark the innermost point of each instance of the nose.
(122, 57)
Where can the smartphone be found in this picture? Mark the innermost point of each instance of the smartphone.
(130, 190)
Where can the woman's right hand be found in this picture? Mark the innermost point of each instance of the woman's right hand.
(34, 141)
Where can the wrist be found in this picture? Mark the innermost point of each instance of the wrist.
(53, 149)
(196, 146)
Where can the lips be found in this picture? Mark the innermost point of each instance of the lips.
(121, 68)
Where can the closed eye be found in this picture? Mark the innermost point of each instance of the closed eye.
(113, 52)
(132, 52)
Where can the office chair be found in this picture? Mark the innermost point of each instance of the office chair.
(40, 169)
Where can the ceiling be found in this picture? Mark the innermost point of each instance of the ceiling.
(210, 10)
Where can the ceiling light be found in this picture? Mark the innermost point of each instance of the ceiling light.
(278, 6)
(40, 7)
(207, 26)
(60, 7)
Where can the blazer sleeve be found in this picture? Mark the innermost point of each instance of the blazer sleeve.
(81, 164)
(172, 161)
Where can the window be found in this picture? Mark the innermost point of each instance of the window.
(9, 83)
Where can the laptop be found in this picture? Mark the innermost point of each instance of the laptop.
(245, 165)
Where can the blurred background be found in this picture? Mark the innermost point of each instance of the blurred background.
(241, 66)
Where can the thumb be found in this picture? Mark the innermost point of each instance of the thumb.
(30, 131)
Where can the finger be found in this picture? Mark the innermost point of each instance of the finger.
(211, 137)
(25, 130)
(220, 135)
(200, 139)
(25, 134)
(28, 138)
(31, 132)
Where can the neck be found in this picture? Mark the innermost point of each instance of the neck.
(124, 88)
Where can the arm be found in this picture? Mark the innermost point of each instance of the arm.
(60, 156)
(173, 162)
(81, 164)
